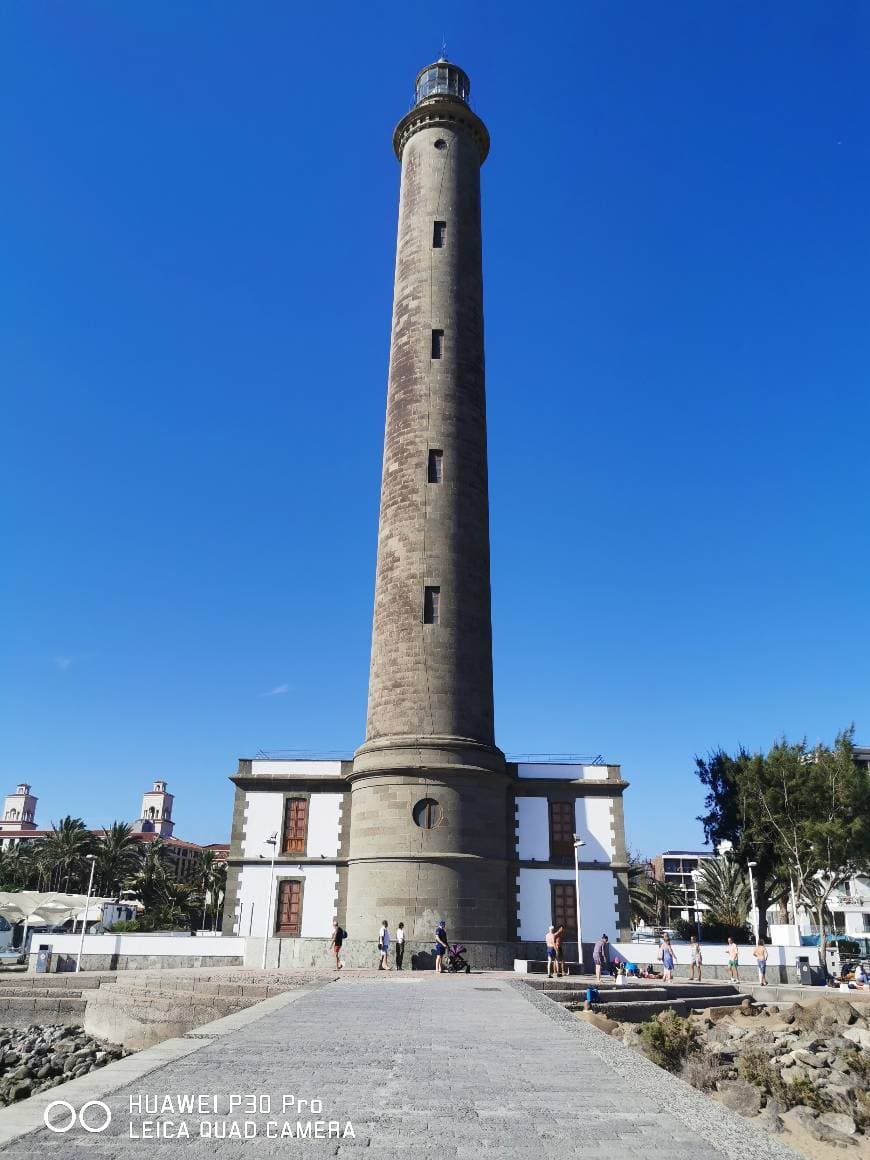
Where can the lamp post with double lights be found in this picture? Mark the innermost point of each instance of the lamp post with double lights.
(92, 858)
(578, 842)
(752, 897)
(273, 842)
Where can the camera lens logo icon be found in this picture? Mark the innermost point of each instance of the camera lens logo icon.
(94, 1121)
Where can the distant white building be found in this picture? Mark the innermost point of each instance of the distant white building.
(852, 901)
(304, 805)
(679, 868)
(156, 815)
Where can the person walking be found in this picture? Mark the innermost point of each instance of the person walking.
(669, 959)
(561, 965)
(733, 960)
(336, 943)
(384, 946)
(550, 940)
(400, 945)
(440, 948)
(695, 959)
(601, 956)
(760, 956)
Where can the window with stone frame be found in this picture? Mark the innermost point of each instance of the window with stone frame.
(432, 604)
(435, 466)
(564, 907)
(288, 908)
(561, 831)
(295, 836)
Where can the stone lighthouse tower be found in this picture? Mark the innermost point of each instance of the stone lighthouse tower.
(428, 835)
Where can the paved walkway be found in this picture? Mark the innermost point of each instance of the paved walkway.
(424, 1067)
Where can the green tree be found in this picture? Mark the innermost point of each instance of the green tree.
(797, 812)
(816, 802)
(217, 893)
(640, 893)
(666, 896)
(19, 867)
(205, 878)
(733, 817)
(151, 875)
(118, 857)
(175, 905)
(63, 854)
(650, 899)
(723, 890)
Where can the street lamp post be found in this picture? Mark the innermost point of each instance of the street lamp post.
(578, 842)
(273, 842)
(695, 875)
(794, 912)
(752, 896)
(93, 861)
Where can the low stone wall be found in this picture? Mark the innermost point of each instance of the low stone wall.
(142, 1010)
(139, 952)
(65, 963)
(314, 953)
(141, 1017)
(21, 1011)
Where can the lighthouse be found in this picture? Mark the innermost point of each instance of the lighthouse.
(428, 824)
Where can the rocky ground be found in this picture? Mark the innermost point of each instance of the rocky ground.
(37, 1058)
(802, 1071)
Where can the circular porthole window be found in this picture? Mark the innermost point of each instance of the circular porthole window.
(440, 143)
(426, 813)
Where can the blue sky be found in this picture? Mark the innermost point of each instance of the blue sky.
(198, 226)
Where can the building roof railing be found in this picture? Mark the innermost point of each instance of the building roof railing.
(347, 755)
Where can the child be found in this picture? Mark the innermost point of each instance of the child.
(695, 959)
(666, 954)
(733, 960)
(384, 947)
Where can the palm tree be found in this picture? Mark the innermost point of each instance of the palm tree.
(205, 878)
(149, 879)
(63, 852)
(175, 905)
(722, 889)
(640, 893)
(665, 897)
(19, 868)
(651, 899)
(218, 891)
(118, 857)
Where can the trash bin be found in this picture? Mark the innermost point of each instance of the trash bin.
(807, 975)
(43, 960)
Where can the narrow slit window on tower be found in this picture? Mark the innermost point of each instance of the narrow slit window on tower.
(435, 473)
(431, 604)
(438, 232)
(437, 343)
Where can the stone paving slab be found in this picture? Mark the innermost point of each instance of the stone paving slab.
(449, 1067)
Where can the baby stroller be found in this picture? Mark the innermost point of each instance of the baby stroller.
(456, 960)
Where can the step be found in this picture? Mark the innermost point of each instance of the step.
(633, 991)
(640, 1012)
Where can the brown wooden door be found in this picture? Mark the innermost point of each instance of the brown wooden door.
(288, 916)
(295, 825)
(561, 831)
(565, 907)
